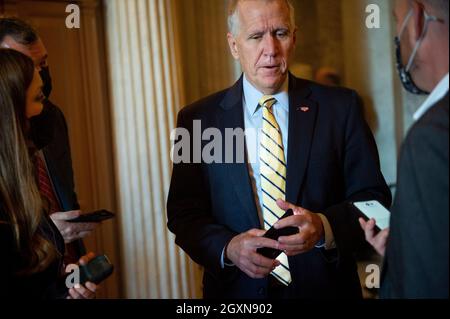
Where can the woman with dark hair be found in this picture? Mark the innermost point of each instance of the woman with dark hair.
(31, 247)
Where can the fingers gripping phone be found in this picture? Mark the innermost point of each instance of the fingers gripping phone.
(94, 217)
(274, 234)
(374, 209)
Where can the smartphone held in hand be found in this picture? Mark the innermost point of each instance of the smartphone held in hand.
(94, 217)
(374, 209)
(96, 270)
(274, 234)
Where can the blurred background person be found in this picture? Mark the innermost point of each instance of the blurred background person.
(31, 245)
(328, 76)
(416, 247)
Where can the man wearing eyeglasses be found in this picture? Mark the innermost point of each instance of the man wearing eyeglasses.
(416, 247)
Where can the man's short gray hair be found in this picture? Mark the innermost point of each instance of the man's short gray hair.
(19, 30)
(233, 15)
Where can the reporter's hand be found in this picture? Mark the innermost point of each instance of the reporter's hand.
(242, 252)
(310, 227)
(83, 292)
(378, 241)
(71, 231)
(88, 290)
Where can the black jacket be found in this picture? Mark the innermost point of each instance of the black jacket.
(416, 263)
(48, 284)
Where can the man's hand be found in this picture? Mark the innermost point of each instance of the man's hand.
(310, 227)
(242, 252)
(71, 231)
(88, 290)
(377, 241)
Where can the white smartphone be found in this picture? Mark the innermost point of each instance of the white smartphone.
(374, 209)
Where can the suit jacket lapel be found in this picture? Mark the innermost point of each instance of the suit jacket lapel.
(232, 116)
(302, 117)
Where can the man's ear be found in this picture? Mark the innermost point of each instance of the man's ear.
(418, 18)
(295, 35)
(233, 45)
(3, 45)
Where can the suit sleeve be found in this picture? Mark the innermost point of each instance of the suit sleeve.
(189, 213)
(363, 180)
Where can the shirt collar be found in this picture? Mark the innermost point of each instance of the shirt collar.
(438, 93)
(252, 96)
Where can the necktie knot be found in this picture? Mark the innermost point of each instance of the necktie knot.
(267, 101)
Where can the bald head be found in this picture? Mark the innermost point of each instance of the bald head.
(429, 36)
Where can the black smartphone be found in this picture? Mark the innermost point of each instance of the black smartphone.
(274, 234)
(97, 270)
(94, 217)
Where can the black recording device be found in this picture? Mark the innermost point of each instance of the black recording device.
(96, 270)
(274, 234)
(94, 217)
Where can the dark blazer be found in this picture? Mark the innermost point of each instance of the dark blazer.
(416, 263)
(332, 160)
(59, 163)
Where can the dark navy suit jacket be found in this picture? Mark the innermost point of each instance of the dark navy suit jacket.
(332, 160)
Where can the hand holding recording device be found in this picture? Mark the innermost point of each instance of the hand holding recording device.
(374, 209)
(96, 270)
(274, 234)
(94, 217)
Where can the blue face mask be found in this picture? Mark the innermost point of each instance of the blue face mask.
(404, 72)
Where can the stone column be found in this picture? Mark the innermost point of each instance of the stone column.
(146, 94)
(366, 53)
(206, 61)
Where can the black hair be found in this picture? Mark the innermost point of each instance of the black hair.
(19, 30)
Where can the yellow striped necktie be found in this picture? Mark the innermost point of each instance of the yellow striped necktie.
(273, 177)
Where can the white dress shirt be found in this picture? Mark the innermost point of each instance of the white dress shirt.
(253, 121)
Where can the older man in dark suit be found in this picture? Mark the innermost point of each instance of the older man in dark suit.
(416, 263)
(313, 150)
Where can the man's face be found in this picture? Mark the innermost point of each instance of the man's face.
(36, 51)
(34, 96)
(265, 43)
